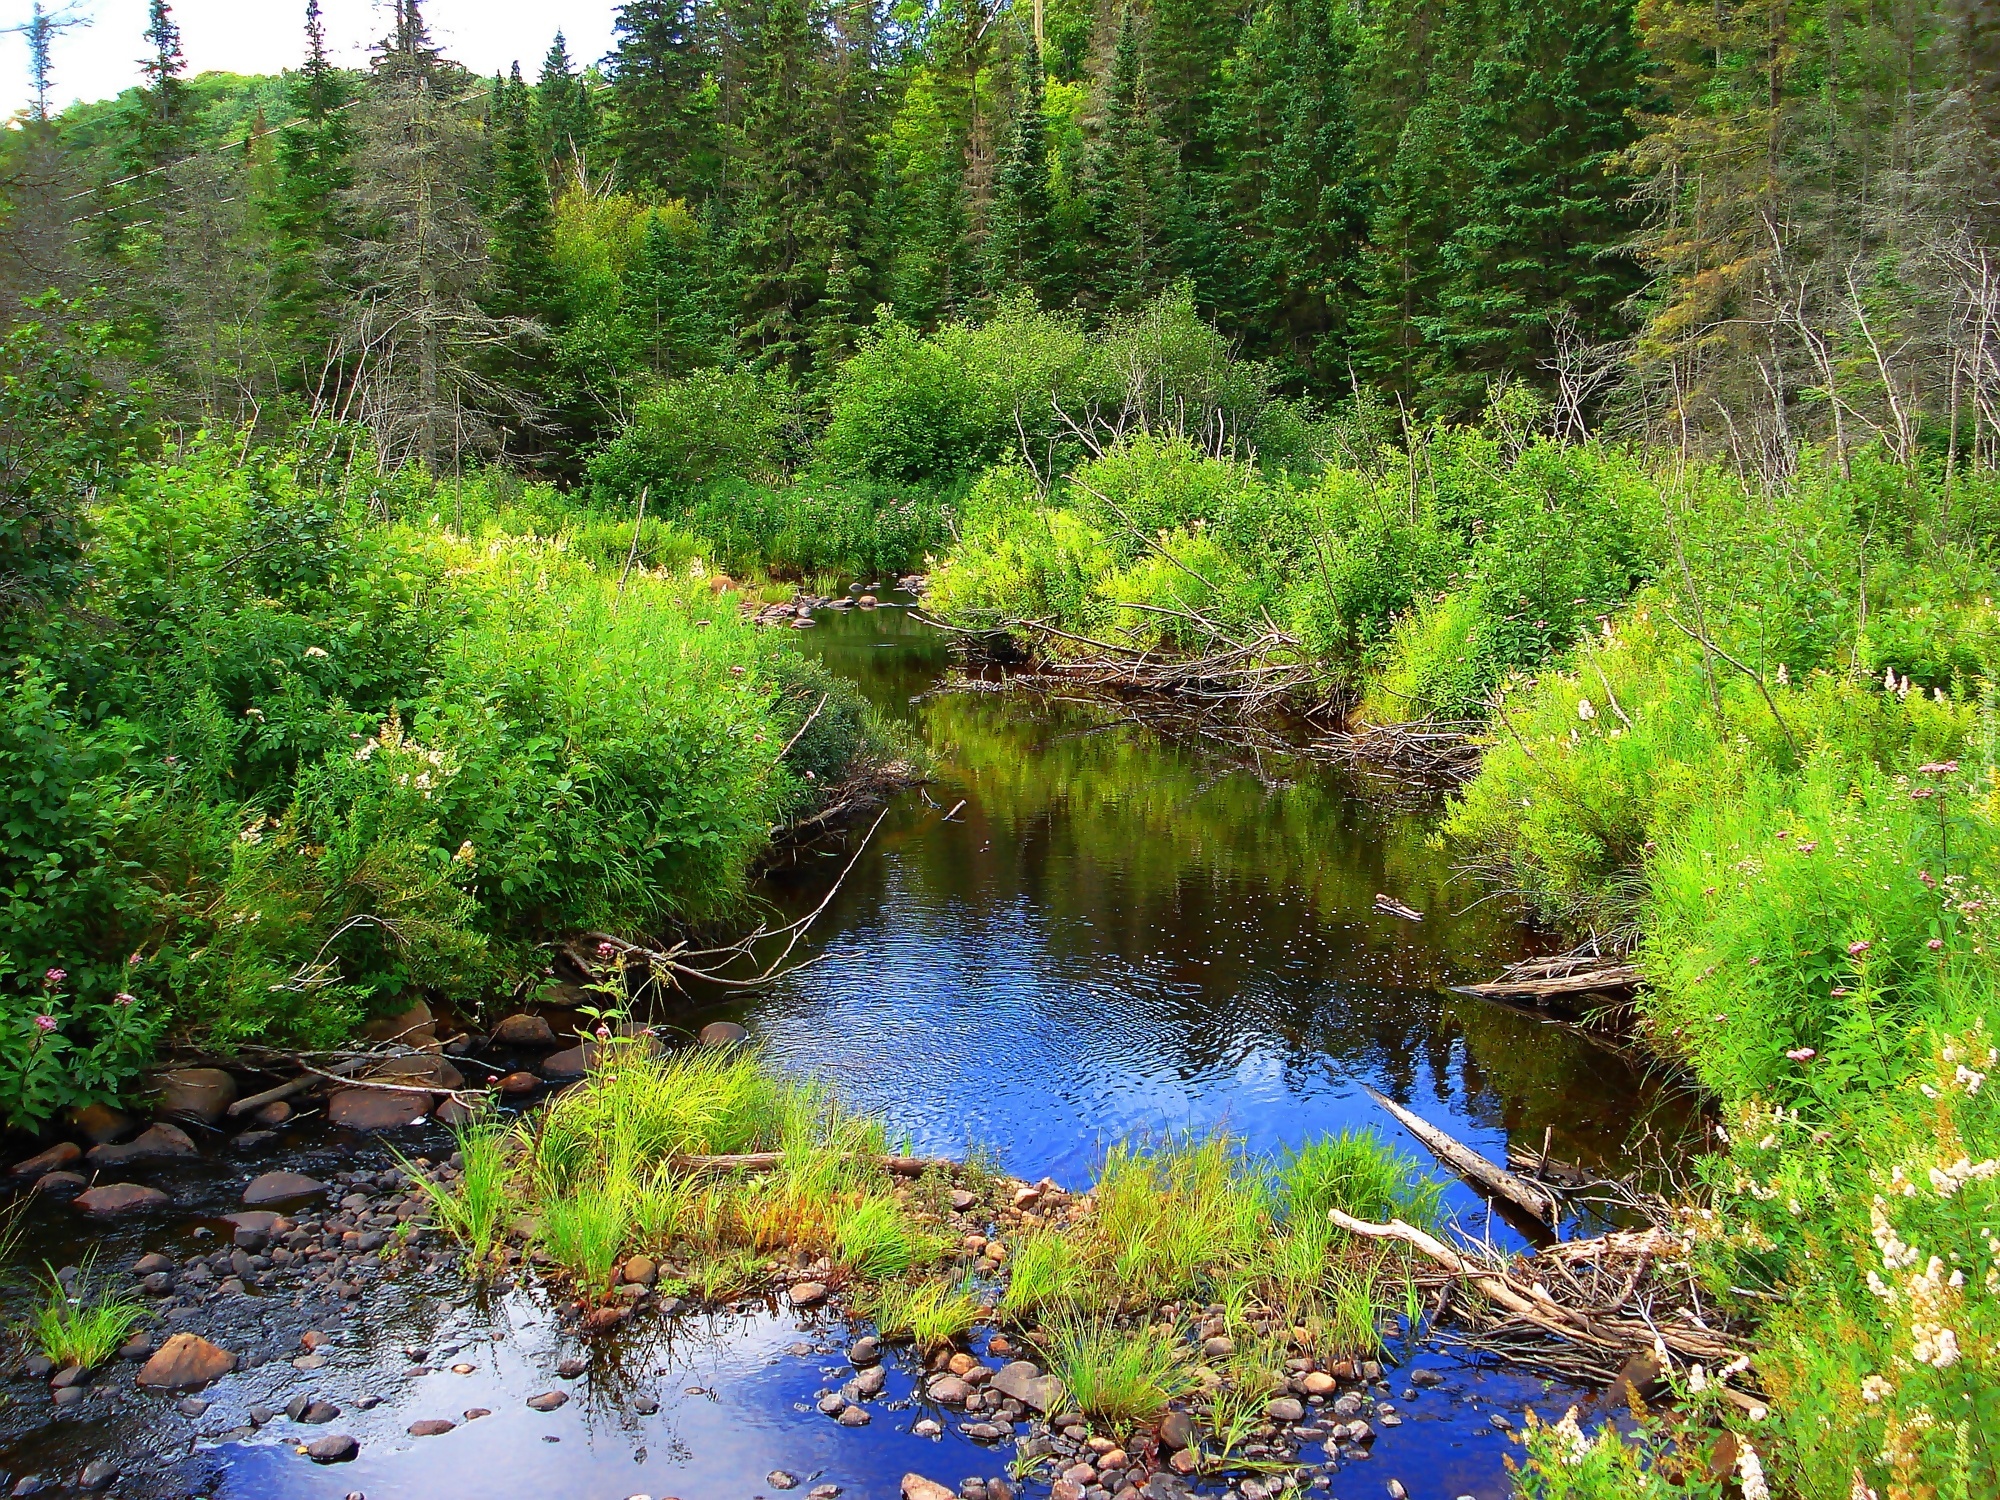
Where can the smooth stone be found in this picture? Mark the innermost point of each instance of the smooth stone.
(335, 1448)
(193, 1406)
(1426, 1378)
(722, 1034)
(832, 1404)
(524, 1030)
(424, 1067)
(1285, 1409)
(548, 1400)
(808, 1294)
(61, 1184)
(916, 1487)
(29, 1484)
(186, 1362)
(570, 1369)
(854, 1416)
(645, 1406)
(865, 1351)
(276, 1113)
(70, 1395)
(157, 1141)
(517, 1083)
(203, 1094)
(99, 1123)
(376, 1109)
(1319, 1383)
(780, 1479)
(566, 1067)
(869, 1383)
(454, 1113)
(96, 1474)
(311, 1411)
(1023, 1382)
(1176, 1431)
(949, 1390)
(641, 1271)
(252, 1140)
(59, 1157)
(281, 1187)
(121, 1198)
(411, 1027)
(474, 1413)
(431, 1427)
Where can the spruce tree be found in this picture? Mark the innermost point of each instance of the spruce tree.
(161, 122)
(1127, 189)
(304, 210)
(778, 221)
(568, 113)
(662, 130)
(1549, 110)
(523, 226)
(1023, 246)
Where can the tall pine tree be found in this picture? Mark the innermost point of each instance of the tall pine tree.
(523, 227)
(567, 112)
(305, 212)
(1128, 189)
(1024, 239)
(662, 130)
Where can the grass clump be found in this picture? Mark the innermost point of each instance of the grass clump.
(473, 1209)
(85, 1328)
(929, 1312)
(1121, 1374)
(877, 1240)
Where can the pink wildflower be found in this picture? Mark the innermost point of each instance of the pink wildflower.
(603, 1032)
(1858, 947)
(125, 997)
(606, 952)
(1935, 944)
(1801, 1054)
(47, 1023)
(54, 978)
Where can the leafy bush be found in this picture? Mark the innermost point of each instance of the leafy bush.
(818, 526)
(707, 425)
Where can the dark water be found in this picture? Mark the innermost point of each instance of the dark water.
(1114, 935)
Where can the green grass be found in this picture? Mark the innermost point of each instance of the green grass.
(929, 1312)
(1122, 1375)
(474, 1209)
(586, 1233)
(1042, 1275)
(877, 1240)
(86, 1329)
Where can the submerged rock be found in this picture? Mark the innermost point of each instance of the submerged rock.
(524, 1030)
(281, 1187)
(121, 1198)
(157, 1141)
(335, 1448)
(62, 1155)
(377, 1109)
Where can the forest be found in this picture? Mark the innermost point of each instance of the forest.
(1609, 386)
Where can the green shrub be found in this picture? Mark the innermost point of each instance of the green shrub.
(819, 525)
(707, 425)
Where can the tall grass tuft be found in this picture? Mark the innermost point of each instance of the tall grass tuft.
(877, 1240)
(1123, 1375)
(585, 1233)
(85, 1329)
(929, 1312)
(473, 1210)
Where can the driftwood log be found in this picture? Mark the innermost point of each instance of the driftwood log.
(1495, 1181)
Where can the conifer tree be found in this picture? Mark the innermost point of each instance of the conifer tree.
(778, 221)
(1549, 108)
(568, 113)
(1127, 188)
(162, 116)
(1023, 246)
(662, 130)
(523, 225)
(304, 211)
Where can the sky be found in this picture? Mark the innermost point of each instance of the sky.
(267, 36)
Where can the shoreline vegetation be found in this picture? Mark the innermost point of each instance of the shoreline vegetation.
(1594, 403)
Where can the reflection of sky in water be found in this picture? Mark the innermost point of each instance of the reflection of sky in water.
(1119, 938)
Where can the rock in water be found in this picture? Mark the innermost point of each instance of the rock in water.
(377, 1109)
(722, 1034)
(1028, 1385)
(186, 1362)
(334, 1448)
(524, 1030)
(121, 1198)
(203, 1094)
(916, 1487)
(157, 1141)
(281, 1187)
(61, 1155)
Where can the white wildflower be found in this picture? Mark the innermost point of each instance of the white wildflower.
(1584, 710)
(1875, 1390)
(1750, 1471)
(316, 651)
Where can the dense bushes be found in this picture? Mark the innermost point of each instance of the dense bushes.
(304, 761)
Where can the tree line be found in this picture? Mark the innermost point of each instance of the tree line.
(1741, 226)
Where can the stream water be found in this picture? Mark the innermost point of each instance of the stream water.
(1077, 932)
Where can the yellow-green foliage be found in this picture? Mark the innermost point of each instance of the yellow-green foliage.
(1123, 1374)
(929, 1312)
(86, 1328)
(1566, 1463)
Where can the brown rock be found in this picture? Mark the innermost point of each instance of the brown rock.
(808, 1294)
(1024, 1383)
(121, 1198)
(602, 1319)
(186, 1362)
(377, 1109)
(61, 1155)
(423, 1067)
(60, 1184)
(1319, 1383)
(1638, 1378)
(155, 1142)
(548, 1400)
(722, 1034)
(640, 1271)
(524, 1030)
(949, 1390)
(1176, 1431)
(431, 1427)
(453, 1113)
(277, 1112)
(203, 1094)
(515, 1084)
(98, 1123)
(412, 1027)
(916, 1487)
(281, 1187)
(335, 1448)
(567, 1067)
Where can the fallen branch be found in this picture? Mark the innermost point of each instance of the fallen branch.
(297, 1086)
(1469, 1164)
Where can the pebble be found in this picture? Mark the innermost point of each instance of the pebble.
(96, 1474)
(431, 1427)
(865, 1351)
(548, 1400)
(474, 1413)
(780, 1479)
(854, 1416)
(928, 1429)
